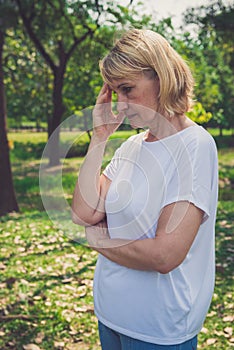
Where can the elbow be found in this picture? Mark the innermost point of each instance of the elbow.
(78, 220)
(162, 267)
(164, 264)
(84, 220)
(165, 268)
(166, 257)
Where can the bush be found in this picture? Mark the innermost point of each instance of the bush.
(224, 141)
(29, 150)
(77, 150)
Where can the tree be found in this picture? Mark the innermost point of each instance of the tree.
(198, 114)
(8, 201)
(28, 80)
(215, 59)
(55, 33)
(57, 28)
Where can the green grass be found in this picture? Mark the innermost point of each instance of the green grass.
(216, 132)
(46, 277)
(46, 284)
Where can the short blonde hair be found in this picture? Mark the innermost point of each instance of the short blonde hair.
(138, 51)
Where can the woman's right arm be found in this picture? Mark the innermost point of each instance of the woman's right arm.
(91, 188)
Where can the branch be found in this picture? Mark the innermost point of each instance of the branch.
(77, 41)
(34, 38)
(98, 8)
(63, 14)
(32, 11)
(99, 12)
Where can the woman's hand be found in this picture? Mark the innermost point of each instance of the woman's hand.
(105, 122)
(97, 235)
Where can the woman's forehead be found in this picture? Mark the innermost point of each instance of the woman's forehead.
(117, 83)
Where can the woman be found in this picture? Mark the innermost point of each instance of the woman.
(151, 213)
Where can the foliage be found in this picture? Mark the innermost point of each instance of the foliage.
(8, 16)
(30, 80)
(198, 114)
(213, 59)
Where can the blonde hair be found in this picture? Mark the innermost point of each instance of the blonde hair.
(139, 51)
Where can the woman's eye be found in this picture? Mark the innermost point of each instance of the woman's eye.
(127, 89)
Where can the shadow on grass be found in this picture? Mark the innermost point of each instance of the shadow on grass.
(24, 316)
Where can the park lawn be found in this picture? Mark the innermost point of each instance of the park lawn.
(37, 137)
(46, 277)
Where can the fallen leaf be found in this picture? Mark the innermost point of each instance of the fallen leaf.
(228, 331)
(31, 347)
(84, 308)
(211, 314)
(59, 344)
(228, 318)
(211, 341)
(204, 330)
(218, 333)
(39, 338)
(2, 266)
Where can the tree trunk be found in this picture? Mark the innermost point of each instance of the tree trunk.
(220, 131)
(8, 202)
(55, 121)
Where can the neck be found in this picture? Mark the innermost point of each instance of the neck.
(166, 126)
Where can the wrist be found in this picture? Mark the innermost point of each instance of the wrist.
(97, 138)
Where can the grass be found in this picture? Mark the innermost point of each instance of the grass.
(46, 277)
(216, 132)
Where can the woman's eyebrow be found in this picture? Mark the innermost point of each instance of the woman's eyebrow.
(122, 84)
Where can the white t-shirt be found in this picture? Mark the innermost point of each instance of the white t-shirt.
(150, 306)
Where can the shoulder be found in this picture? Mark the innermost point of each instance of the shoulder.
(199, 139)
(201, 135)
(132, 142)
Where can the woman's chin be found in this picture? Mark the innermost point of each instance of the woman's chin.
(134, 125)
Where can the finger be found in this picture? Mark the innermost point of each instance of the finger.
(105, 95)
(102, 91)
(105, 88)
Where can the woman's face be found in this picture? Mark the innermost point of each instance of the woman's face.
(137, 98)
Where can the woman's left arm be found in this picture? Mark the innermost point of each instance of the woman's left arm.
(177, 227)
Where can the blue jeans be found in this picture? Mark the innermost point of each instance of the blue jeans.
(112, 340)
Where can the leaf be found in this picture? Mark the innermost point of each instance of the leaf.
(31, 347)
(39, 338)
(84, 308)
(204, 330)
(211, 341)
(228, 331)
(229, 318)
(2, 266)
(59, 344)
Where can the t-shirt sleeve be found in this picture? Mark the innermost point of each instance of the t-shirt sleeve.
(194, 176)
(112, 168)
